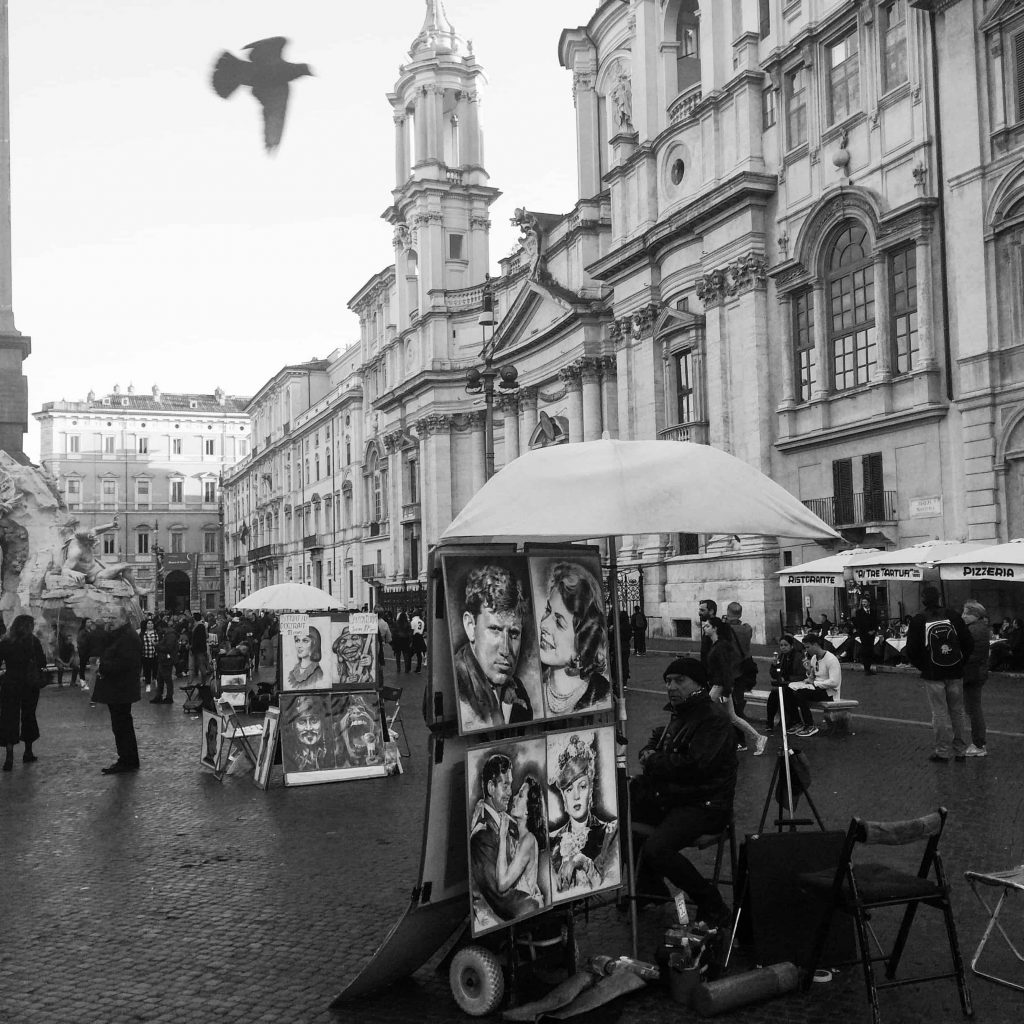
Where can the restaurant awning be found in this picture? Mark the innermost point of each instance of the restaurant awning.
(994, 562)
(829, 571)
(907, 565)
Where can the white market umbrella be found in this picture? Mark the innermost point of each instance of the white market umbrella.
(609, 488)
(907, 565)
(994, 562)
(829, 571)
(290, 597)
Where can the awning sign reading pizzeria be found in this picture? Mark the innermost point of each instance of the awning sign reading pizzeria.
(888, 574)
(977, 572)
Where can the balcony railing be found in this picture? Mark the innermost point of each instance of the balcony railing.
(695, 431)
(265, 551)
(410, 512)
(683, 105)
(316, 540)
(855, 509)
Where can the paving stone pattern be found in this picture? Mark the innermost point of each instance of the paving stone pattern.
(167, 896)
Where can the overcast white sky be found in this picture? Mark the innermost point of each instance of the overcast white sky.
(154, 242)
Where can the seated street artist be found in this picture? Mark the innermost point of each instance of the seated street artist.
(824, 681)
(686, 788)
(490, 693)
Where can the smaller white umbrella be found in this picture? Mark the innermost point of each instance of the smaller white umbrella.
(829, 571)
(290, 597)
(907, 565)
(995, 562)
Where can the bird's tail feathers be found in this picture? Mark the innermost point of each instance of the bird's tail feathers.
(228, 74)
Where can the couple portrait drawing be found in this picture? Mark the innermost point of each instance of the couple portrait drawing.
(515, 663)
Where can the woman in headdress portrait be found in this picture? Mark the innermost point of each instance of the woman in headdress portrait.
(306, 673)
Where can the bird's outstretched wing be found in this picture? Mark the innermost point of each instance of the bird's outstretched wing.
(274, 99)
(229, 73)
(266, 51)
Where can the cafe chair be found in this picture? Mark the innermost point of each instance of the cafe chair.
(393, 695)
(1010, 882)
(863, 888)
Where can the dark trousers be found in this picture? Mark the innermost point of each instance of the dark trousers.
(660, 857)
(789, 703)
(419, 649)
(402, 655)
(640, 641)
(148, 667)
(866, 643)
(975, 715)
(19, 707)
(123, 727)
(164, 680)
(811, 696)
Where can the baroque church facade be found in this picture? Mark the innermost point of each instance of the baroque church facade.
(796, 237)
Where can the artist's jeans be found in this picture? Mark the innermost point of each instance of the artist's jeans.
(949, 720)
(123, 727)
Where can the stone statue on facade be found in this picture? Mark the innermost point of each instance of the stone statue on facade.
(622, 98)
(80, 561)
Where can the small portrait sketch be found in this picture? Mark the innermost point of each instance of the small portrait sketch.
(572, 638)
(210, 749)
(307, 742)
(508, 847)
(583, 813)
(355, 658)
(307, 662)
(268, 743)
(493, 642)
(358, 734)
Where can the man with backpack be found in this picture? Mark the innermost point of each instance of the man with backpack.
(938, 645)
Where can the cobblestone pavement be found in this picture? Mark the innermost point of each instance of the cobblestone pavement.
(167, 896)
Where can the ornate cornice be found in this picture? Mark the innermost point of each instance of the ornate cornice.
(739, 276)
(528, 395)
(434, 423)
(581, 81)
(570, 376)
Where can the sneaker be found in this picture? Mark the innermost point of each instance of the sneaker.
(973, 751)
(794, 730)
(810, 730)
(759, 748)
(740, 747)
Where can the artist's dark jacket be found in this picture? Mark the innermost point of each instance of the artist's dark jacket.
(120, 666)
(693, 759)
(917, 650)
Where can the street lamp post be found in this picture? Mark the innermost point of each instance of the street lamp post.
(481, 379)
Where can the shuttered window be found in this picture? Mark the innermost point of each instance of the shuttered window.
(842, 488)
(874, 488)
(1018, 73)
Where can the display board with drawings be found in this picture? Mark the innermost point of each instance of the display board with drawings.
(267, 748)
(323, 652)
(542, 824)
(527, 636)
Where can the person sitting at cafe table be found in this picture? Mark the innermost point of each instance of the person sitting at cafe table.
(824, 679)
(1010, 653)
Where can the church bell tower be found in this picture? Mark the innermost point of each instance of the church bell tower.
(441, 196)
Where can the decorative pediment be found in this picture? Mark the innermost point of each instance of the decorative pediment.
(537, 308)
(550, 430)
(1000, 13)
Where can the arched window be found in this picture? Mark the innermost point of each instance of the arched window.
(850, 284)
(688, 38)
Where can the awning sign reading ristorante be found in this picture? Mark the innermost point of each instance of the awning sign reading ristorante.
(888, 574)
(812, 579)
(982, 572)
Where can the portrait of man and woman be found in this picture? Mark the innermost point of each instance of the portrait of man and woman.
(542, 822)
(528, 638)
(331, 736)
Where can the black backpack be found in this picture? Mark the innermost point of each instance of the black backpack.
(942, 643)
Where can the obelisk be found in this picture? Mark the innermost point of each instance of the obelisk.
(14, 346)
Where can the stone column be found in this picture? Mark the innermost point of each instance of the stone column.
(821, 322)
(471, 156)
(592, 425)
(401, 151)
(788, 354)
(926, 333)
(475, 420)
(587, 133)
(883, 333)
(436, 448)
(609, 395)
(528, 403)
(421, 128)
(570, 376)
(509, 405)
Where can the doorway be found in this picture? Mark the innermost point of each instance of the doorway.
(177, 591)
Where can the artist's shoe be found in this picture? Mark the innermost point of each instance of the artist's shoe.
(8, 765)
(167, 700)
(794, 730)
(741, 748)
(938, 758)
(759, 747)
(117, 768)
(973, 751)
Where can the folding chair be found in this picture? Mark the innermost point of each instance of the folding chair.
(393, 695)
(861, 889)
(234, 738)
(1009, 881)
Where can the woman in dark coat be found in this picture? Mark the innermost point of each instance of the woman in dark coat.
(787, 668)
(21, 655)
(401, 642)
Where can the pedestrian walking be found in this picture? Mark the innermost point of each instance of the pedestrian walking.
(938, 644)
(117, 686)
(723, 668)
(418, 643)
(401, 641)
(200, 652)
(976, 674)
(383, 637)
(865, 629)
(65, 659)
(639, 624)
(149, 638)
(21, 655)
(166, 651)
(746, 667)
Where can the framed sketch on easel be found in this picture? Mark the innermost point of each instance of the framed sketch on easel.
(268, 746)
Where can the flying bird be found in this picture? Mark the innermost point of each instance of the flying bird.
(268, 75)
